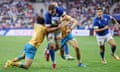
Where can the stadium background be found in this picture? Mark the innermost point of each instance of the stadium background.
(17, 18)
(20, 14)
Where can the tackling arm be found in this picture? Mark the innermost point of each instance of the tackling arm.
(51, 29)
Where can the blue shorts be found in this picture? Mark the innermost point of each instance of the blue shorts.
(30, 51)
(66, 39)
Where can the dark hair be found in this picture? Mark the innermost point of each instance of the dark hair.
(99, 8)
(51, 7)
(40, 20)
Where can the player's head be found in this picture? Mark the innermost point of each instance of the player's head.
(52, 9)
(55, 4)
(99, 12)
(40, 20)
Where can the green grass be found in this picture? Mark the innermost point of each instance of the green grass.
(11, 47)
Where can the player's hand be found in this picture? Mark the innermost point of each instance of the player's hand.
(106, 27)
(68, 30)
(60, 25)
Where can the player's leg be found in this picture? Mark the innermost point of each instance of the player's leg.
(64, 47)
(62, 53)
(58, 38)
(111, 41)
(46, 52)
(74, 44)
(24, 65)
(68, 56)
(58, 45)
(50, 38)
(102, 52)
(16, 60)
(20, 57)
(52, 54)
(29, 52)
(101, 44)
(52, 47)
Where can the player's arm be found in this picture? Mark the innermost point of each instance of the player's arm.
(74, 23)
(96, 27)
(113, 19)
(51, 29)
(71, 20)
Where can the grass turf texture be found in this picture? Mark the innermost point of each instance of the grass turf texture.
(11, 47)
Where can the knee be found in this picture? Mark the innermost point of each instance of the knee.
(26, 66)
(76, 47)
(59, 38)
(102, 46)
(52, 46)
(113, 46)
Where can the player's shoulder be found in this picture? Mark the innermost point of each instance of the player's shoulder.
(59, 9)
(66, 17)
(106, 15)
(96, 18)
(39, 25)
(46, 14)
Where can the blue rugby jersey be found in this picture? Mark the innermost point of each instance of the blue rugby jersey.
(101, 23)
(48, 17)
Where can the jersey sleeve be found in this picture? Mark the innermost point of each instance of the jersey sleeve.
(95, 24)
(47, 20)
(109, 16)
(61, 11)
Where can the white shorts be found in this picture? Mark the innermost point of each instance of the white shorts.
(52, 36)
(102, 39)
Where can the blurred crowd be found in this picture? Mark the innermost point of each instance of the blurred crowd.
(84, 10)
(16, 14)
(21, 14)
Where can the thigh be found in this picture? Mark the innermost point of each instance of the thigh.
(66, 39)
(51, 38)
(58, 35)
(30, 51)
(110, 39)
(101, 40)
(73, 42)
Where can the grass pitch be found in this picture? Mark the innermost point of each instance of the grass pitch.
(11, 47)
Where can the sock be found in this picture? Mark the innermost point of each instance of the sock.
(19, 58)
(102, 55)
(22, 66)
(66, 49)
(113, 48)
(63, 57)
(52, 54)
